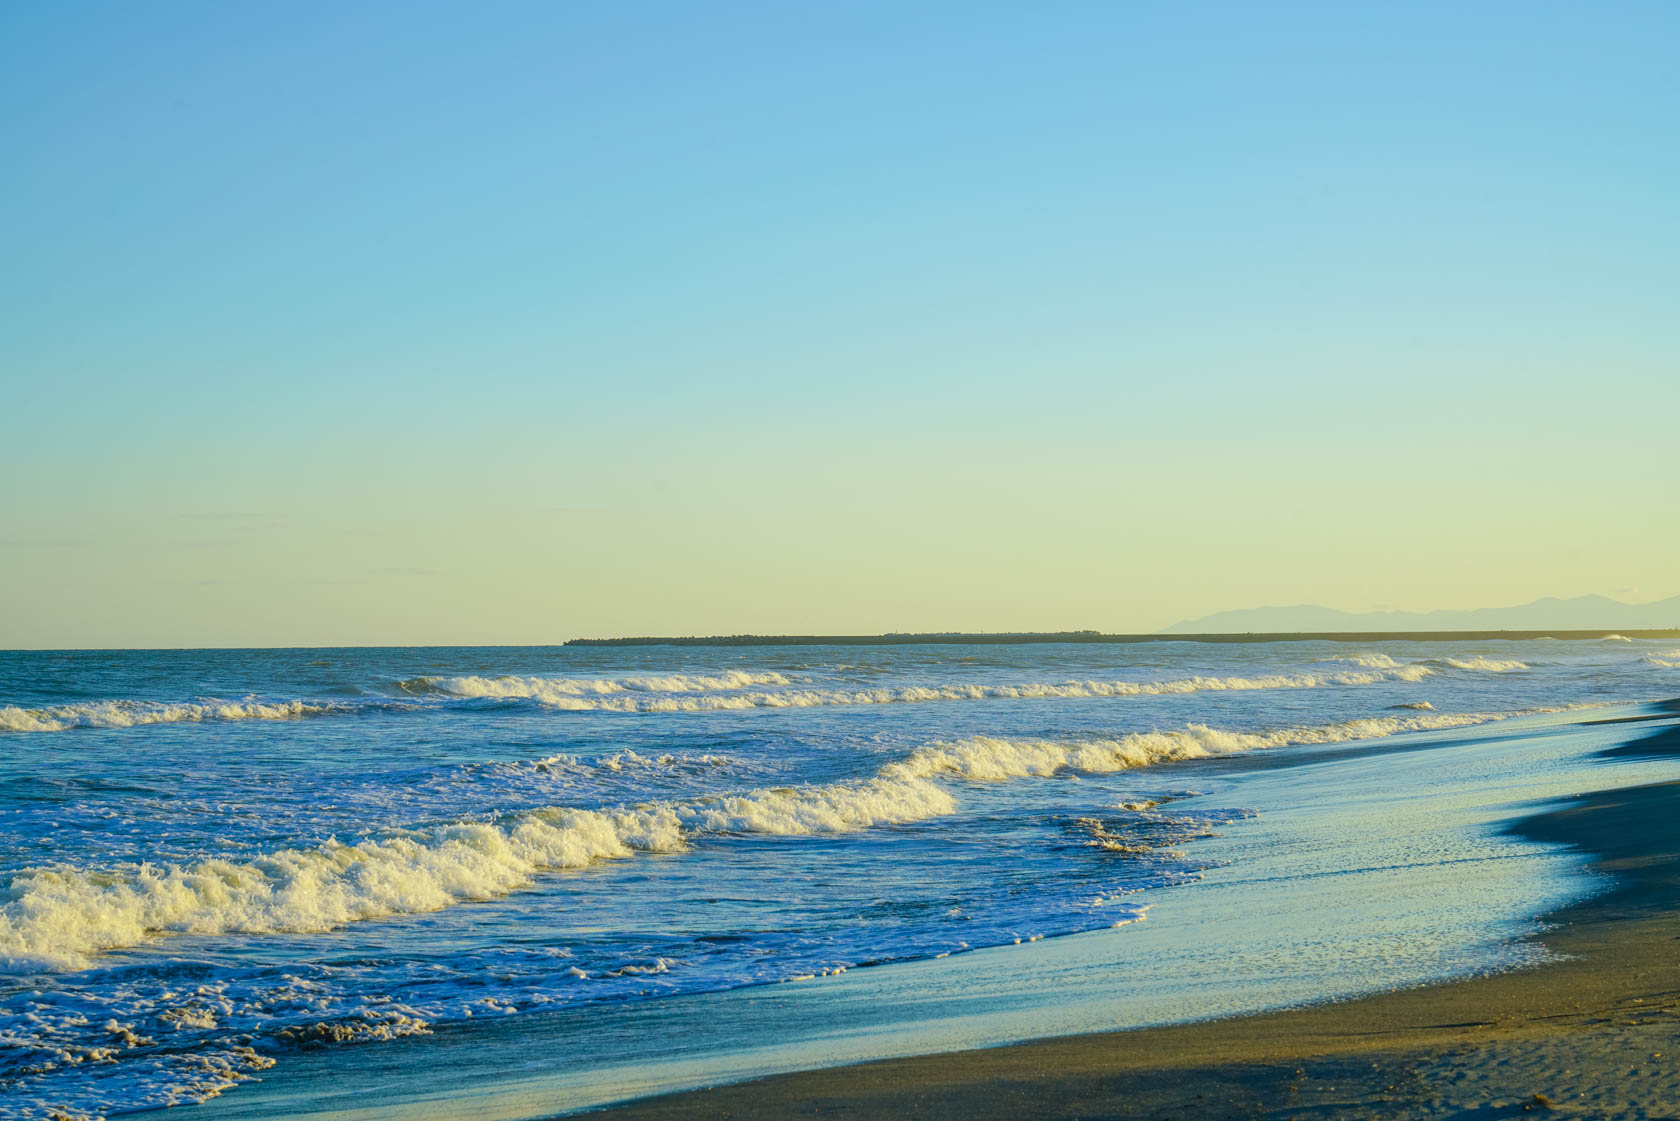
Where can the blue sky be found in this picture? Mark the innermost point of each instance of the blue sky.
(509, 322)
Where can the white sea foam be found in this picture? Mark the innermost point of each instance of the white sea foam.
(1369, 661)
(540, 688)
(1486, 665)
(1669, 659)
(130, 713)
(59, 917)
(129, 1079)
(1615, 638)
(127, 714)
(56, 917)
(618, 761)
(916, 694)
(130, 1047)
(993, 759)
(688, 693)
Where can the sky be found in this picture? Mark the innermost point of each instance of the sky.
(379, 323)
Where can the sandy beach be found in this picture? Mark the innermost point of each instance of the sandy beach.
(861, 560)
(1369, 843)
(1590, 1033)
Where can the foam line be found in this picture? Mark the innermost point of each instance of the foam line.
(59, 917)
(517, 686)
(1485, 665)
(731, 691)
(916, 694)
(127, 714)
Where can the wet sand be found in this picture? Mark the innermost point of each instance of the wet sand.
(1589, 1034)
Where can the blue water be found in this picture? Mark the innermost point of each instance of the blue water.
(219, 860)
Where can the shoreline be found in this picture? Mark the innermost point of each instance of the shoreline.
(1587, 1030)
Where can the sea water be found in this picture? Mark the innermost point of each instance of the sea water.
(217, 863)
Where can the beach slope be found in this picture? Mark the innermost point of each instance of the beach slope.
(1587, 1033)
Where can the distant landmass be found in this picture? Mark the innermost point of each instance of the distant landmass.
(1580, 613)
(1337, 628)
(1579, 618)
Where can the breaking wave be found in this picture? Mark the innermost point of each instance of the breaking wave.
(127, 714)
(988, 758)
(541, 687)
(58, 917)
(1668, 660)
(914, 694)
(1369, 661)
(734, 690)
(1485, 665)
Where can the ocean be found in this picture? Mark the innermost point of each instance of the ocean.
(226, 868)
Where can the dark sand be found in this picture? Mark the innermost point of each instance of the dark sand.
(1588, 1034)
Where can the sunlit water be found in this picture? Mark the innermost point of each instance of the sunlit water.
(218, 861)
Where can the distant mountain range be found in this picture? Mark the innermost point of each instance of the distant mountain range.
(1580, 613)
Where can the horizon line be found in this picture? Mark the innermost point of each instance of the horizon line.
(931, 638)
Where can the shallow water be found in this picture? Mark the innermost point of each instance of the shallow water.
(221, 861)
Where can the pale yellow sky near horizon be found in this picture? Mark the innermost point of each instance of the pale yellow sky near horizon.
(1125, 540)
(328, 325)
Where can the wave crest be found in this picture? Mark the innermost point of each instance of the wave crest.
(736, 690)
(127, 714)
(1368, 661)
(986, 758)
(539, 688)
(1485, 665)
(917, 694)
(56, 918)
